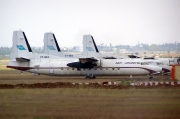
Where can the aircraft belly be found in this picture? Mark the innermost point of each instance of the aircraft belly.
(133, 71)
(105, 71)
(110, 71)
(76, 72)
(66, 71)
(40, 71)
(92, 71)
(99, 72)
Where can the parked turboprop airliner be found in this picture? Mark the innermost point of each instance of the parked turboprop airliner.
(51, 47)
(90, 50)
(22, 58)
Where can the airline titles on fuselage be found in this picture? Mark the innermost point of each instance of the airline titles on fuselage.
(142, 63)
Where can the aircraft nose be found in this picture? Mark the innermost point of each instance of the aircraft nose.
(166, 70)
(156, 69)
(159, 69)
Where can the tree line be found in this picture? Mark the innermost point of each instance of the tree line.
(142, 47)
(4, 51)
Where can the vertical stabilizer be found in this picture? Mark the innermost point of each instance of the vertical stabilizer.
(89, 46)
(51, 46)
(21, 47)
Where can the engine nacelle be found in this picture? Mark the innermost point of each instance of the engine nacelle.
(81, 65)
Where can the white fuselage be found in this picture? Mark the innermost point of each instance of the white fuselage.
(104, 67)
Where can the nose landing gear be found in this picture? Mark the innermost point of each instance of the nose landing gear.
(151, 77)
(90, 76)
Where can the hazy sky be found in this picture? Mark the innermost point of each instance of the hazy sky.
(109, 21)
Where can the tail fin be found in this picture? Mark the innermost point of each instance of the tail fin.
(89, 46)
(21, 47)
(51, 46)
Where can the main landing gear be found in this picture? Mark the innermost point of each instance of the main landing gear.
(90, 76)
(151, 77)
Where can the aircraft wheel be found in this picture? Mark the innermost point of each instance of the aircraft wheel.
(87, 76)
(93, 77)
(151, 77)
(166, 74)
(90, 76)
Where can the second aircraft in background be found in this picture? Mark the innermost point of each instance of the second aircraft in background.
(90, 49)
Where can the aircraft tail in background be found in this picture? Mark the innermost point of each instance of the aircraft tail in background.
(89, 46)
(51, 46)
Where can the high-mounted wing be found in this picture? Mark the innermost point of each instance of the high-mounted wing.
(84, 60)
(84, 63)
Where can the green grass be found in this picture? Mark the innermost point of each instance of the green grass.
(89, 103)
(125, 83)
(82, 103)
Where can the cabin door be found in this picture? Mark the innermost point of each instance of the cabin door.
(51, 71)
(51, 67)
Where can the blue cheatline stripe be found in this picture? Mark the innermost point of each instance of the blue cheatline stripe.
(89, 49)
(20, 47)
(51, 47)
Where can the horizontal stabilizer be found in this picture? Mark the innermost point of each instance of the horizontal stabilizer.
(109, 57)
(133, 56)
(21, 59)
